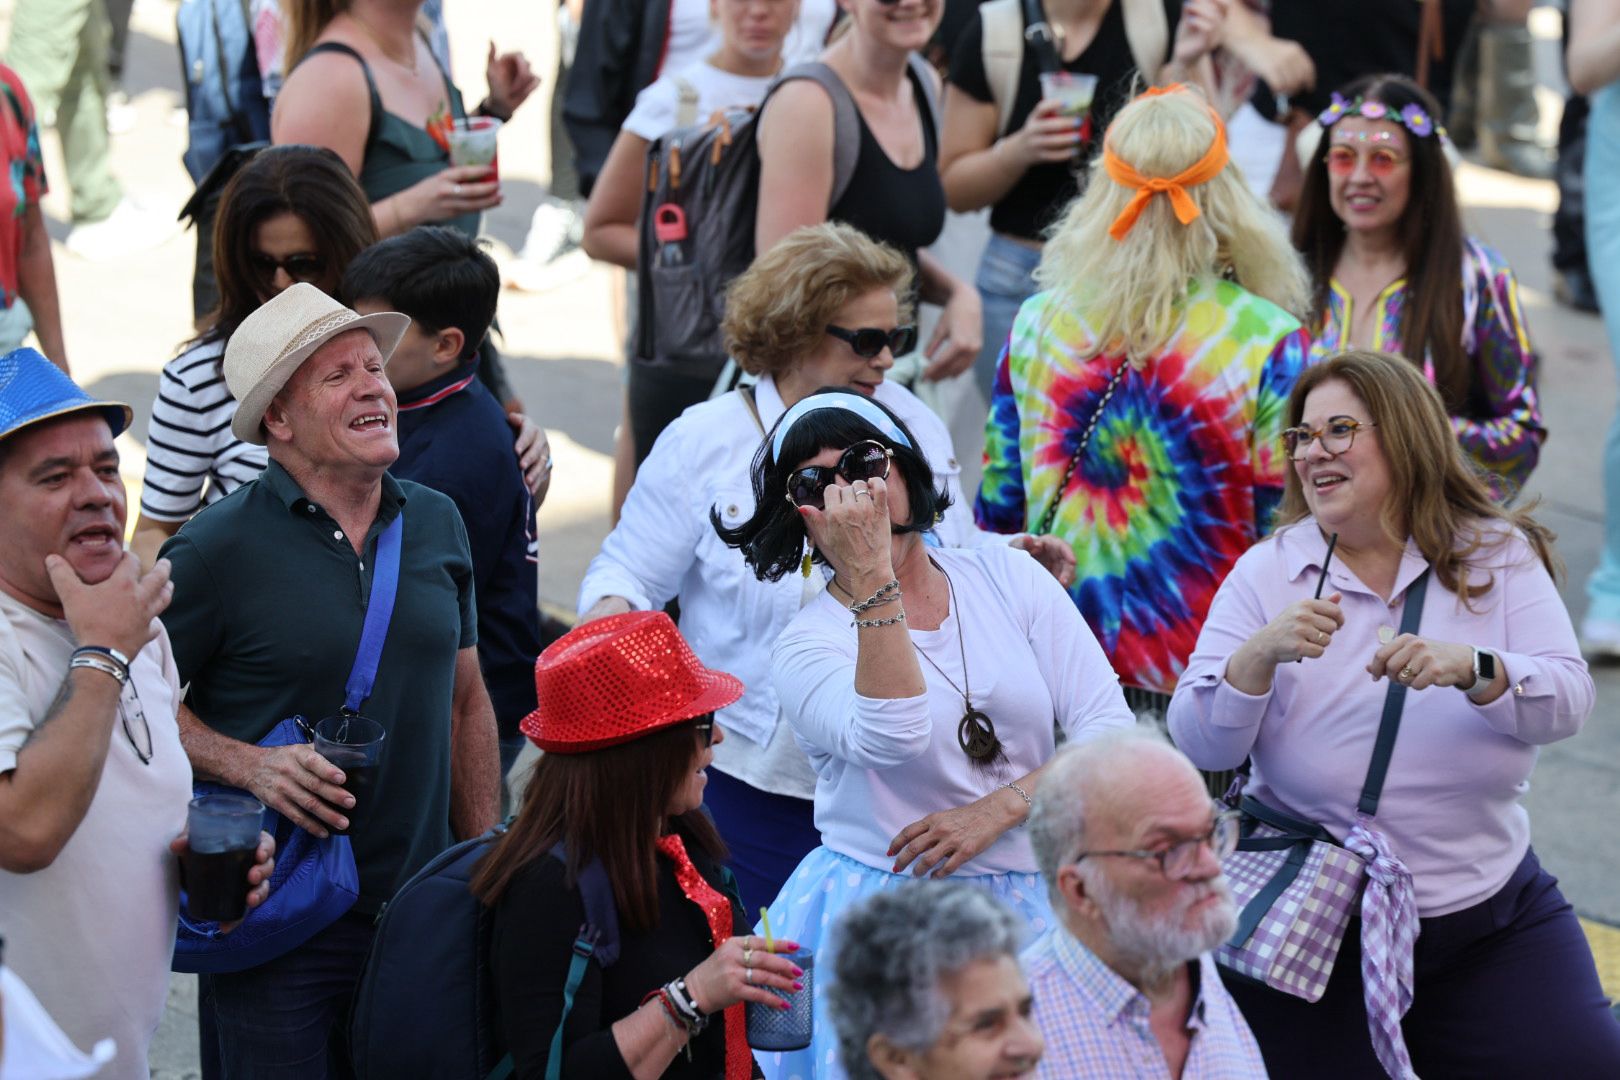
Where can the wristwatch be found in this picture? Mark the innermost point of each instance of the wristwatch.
(1484, 670)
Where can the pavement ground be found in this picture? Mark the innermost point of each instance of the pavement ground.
(124, 319)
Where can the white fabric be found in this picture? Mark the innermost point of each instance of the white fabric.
(35, 1047)
(693, 36)
(658, 106)
(664, 547)
(192, 459)
(883, 763)
(92, 933)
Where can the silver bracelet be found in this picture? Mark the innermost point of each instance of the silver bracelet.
(868, 623)
(1021, 793)
(885, 594)
(98, 662)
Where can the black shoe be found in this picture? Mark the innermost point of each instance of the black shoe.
(1573, 288)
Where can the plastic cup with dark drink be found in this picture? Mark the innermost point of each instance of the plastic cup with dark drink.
(354, 744)
(222, 839)
(773, 1028)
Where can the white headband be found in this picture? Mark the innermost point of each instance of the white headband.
(860, 406)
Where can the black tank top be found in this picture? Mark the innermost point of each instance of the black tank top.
(901, 207)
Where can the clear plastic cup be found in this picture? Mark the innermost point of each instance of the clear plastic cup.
(355, 745)
(771, 1028)
(473, 142)
(1072, 91)
(222, 838)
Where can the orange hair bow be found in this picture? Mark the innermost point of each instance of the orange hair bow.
(1201, 171)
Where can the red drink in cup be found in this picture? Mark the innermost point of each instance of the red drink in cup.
(473, 142)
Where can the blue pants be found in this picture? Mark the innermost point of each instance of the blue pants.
(1603, 256)
(1505, 988)
(768, 835)
(289, 1019)
(1004, 282)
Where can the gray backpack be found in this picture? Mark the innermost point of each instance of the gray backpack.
(697, 220)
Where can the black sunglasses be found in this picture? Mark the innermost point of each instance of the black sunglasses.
(865, 460)
(869, 340)
(707, 728)
(309, 268)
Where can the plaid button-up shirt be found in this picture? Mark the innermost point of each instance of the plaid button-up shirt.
(1097, 1024)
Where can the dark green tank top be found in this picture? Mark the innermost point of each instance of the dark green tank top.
(398, 153)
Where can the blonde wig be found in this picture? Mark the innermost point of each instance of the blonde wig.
(1130, 289)
(1437, 496)
(777, 310)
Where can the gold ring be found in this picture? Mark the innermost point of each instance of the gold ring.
(1406, 674)
(748, 957)
(1321, 637)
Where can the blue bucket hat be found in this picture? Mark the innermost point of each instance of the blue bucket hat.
(33, 389)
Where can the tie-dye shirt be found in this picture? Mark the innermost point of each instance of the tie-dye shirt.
(1181, 475)
(25, 177)
(1502, 429)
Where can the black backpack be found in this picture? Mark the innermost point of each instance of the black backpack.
(697, 220)
(426, 1004)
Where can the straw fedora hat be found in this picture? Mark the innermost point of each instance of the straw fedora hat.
(272, 342)
(619, 678)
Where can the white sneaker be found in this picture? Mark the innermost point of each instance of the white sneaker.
(121, 115)
(551, 253)
(130, 228)
(1600, 639)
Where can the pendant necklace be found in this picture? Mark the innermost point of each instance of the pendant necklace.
(976, 732)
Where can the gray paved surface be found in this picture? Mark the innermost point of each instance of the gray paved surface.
(124, 320)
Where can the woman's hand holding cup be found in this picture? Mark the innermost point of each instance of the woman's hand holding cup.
(743, 969)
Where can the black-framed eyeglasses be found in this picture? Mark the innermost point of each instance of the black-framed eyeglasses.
(706, 729)
(1338, 435)
(868, 341)
(136, 729)
(303, 267)
(1179, 859)
(865, 460)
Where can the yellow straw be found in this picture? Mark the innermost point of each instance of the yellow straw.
(765, 917)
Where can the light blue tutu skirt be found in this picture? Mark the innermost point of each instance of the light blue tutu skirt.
(824, 886)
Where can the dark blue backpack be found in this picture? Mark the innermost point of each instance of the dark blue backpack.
(426, 1003)
(225, 99)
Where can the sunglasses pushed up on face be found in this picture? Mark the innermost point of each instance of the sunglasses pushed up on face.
(865, 460)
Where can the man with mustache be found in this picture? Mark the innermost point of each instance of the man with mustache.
(1131, 848)
(93, 781)
(272, 584)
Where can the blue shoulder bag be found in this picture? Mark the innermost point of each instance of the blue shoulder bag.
(315, 881)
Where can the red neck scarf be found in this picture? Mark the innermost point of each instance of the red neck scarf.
(717, 911)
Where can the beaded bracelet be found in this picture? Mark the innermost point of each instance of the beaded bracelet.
(865, 624)
(1021, 793)
(887, 593)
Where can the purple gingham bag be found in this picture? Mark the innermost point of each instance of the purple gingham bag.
(1296, 890)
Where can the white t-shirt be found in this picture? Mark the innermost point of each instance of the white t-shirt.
(883, 763)
(92, 934)
(659, 108)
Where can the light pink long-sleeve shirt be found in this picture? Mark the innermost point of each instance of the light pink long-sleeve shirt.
(1450, 805)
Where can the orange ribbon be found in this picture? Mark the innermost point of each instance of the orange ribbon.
(1201, 171)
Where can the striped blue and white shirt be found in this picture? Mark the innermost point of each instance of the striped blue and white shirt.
(192, 459)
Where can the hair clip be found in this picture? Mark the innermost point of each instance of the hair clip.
(1413, 117)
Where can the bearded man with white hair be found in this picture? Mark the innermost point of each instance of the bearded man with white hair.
(1131, 845)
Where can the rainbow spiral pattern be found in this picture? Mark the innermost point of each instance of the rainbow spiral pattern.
(1182, 474)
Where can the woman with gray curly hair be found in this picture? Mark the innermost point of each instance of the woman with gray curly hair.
(926, 983)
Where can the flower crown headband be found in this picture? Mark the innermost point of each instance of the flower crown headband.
(1413, 117)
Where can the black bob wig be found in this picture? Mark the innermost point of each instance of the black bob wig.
(772, 541)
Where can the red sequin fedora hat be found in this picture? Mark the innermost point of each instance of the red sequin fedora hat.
(619, 678)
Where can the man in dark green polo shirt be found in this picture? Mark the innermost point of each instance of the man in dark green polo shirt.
(271, 587)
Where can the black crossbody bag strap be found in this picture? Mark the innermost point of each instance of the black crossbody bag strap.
(1394, 700)
(1080, 449)
(1042, 42)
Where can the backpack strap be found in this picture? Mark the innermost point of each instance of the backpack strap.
(846, 122)
(371, 84)
(379, 611)
(686, 98)
(1147, 30)
(1001, 52)
(598, 940)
